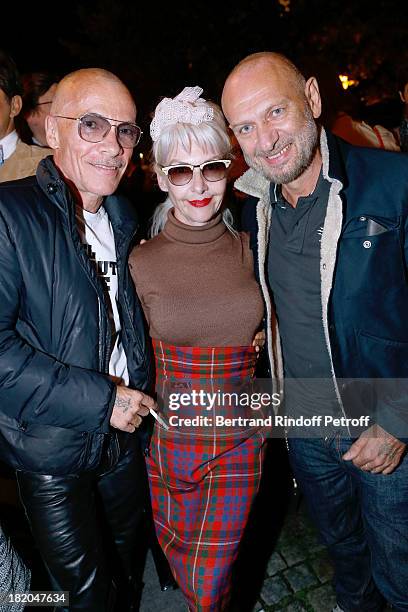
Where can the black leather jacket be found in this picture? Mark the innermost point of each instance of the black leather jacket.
(55, 340)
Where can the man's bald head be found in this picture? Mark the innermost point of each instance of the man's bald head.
(264, 63)
(79, 84)
(265, 58)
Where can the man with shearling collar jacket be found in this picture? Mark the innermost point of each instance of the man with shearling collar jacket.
(331, 233)
(74, 362)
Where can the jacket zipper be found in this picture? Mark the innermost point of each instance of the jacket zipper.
(124, 302)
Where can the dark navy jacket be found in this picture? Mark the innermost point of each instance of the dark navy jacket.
(56, 399)
(365, 244)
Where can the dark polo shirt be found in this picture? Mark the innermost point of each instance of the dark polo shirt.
(294, 279)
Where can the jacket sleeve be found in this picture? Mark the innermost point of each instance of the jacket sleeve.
(35, 387)
(392, 394)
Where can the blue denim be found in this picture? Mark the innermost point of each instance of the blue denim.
(362, 519)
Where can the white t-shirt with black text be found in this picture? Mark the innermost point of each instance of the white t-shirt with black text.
(97, 235)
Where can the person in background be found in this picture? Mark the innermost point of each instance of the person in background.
(74, 358)
(361, 134)
(38, 93)
(17, 159)
(330, 224)
(203, 305)
(403, 127)
(342, 111)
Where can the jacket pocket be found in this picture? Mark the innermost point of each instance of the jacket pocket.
(46, 449)
(367, 266)
(382, 357)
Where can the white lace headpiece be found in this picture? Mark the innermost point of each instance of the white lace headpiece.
(180, 110)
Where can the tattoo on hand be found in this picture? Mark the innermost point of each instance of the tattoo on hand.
(388, 450)
(123, 403)
(392, 454)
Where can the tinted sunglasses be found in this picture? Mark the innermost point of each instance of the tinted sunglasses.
(212, 171)
(94, 128)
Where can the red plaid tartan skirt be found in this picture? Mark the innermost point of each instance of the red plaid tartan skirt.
(202, 486)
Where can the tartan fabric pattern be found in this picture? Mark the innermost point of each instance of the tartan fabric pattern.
(201, 363)
(202, 489)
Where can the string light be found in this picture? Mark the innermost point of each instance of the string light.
(346, 82)
(285, 4)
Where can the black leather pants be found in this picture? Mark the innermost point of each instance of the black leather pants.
(89, 529)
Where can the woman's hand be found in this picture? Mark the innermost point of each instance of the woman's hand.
(259, 341)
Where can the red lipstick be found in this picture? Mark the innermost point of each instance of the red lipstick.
(200, 203)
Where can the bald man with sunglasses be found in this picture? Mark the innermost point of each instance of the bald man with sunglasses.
(74, 362)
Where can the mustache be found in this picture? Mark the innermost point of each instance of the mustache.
(277, 148)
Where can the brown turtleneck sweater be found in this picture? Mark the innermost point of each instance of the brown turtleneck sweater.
(196, 285)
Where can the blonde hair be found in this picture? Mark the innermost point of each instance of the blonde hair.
(210, 136)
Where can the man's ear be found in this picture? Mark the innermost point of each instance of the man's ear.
(162, 181)
(15, 106)
(312, 94)
(51, 132)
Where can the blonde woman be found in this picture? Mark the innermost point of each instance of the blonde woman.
(203, 306)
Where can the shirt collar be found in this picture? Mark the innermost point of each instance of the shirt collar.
(276, 196)
(9, 144)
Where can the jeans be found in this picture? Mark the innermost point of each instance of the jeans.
(362, 519)
(85, 524)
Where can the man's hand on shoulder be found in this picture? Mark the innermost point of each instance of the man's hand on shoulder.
(376, 451)
(129, 408)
